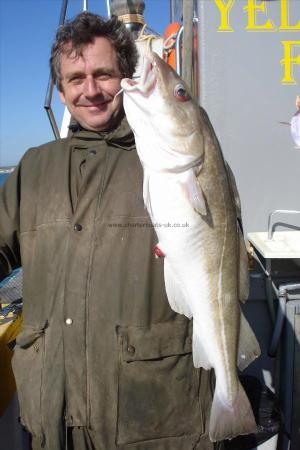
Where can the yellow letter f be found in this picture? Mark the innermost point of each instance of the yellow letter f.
(289, 61)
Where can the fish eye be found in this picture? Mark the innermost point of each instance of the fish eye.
(180, 93)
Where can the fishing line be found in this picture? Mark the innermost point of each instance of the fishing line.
(118, 93)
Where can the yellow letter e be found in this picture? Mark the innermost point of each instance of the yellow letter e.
(252, 9)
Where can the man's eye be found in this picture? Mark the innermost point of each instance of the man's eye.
(103, 76)
(76, 80)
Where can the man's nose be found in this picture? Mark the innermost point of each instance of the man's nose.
(91, 88)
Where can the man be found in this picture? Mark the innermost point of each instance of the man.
(102, 361)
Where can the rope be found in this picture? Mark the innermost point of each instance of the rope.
(132, 18)
(170, 42)
(148, 38)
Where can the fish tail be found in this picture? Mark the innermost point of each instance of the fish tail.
(228, 421)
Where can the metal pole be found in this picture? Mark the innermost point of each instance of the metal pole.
(176, 10)
(108, 8)
(187, 66)
(49, 92)
(172, 11)
(130, 12)
(85, 5)
(48, 99)
(53, 123)
(178, 52)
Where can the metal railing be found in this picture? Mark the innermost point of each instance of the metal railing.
(271, 226)
(49, 93)
(50, 88)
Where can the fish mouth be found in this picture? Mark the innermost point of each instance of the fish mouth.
(147, 81)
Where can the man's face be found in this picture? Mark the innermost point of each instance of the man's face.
(89, 83)
(298, 102)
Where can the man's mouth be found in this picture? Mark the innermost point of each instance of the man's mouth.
(97, 105)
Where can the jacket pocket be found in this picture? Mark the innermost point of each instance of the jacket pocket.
(27, 363)
(158, 384)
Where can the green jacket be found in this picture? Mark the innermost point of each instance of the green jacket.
(100, 344)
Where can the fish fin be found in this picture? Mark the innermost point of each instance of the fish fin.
(228, 421)
(248, 346)
(243, 268)
(234, 191)
(194, 192)
(200, 357)
(175, 293)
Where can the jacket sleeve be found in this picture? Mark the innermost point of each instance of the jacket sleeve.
(10, 224)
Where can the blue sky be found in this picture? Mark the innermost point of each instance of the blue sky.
(27, 29)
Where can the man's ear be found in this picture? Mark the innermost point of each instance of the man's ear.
(62, 97)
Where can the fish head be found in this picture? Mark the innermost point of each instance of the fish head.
(163, 114)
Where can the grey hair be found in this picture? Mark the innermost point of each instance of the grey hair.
(83, 30)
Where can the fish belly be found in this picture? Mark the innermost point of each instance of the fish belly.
(200, 291)
(191, 286)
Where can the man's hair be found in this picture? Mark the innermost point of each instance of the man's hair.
(83, 30)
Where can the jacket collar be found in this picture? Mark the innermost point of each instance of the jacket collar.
(121, 137)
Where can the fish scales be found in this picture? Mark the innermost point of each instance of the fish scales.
(187, 186)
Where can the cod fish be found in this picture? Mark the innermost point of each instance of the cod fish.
(190, 200)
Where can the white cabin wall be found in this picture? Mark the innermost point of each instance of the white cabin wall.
(240, 87)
